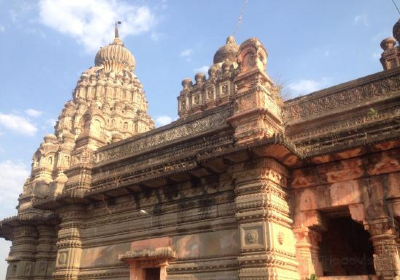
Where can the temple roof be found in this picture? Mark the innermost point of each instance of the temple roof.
(115, 57)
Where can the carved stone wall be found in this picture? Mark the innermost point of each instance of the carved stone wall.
(32, 253)
(195, 218)
(367, 187)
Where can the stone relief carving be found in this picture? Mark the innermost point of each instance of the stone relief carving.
(62, 258)
(252, 237)
(281, 238)
(152, 140)
(348, 123)
(367, 91)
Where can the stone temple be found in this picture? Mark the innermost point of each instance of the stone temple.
(244, 185)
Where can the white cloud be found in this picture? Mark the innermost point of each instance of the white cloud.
(378, 37)
(91, 22)
(187, 52)
(13, 176)
(17, 124)
(2, 29)
(33, 112)
(202, 69)
(164, 4)
(155, 36)
(20, 10)
(13, 15)
(36, 32)
(304, 86)
(361, 19)
(163, 120)
(51, 122)
(376, 55)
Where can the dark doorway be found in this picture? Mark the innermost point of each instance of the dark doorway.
(152, 273)
(345, 249)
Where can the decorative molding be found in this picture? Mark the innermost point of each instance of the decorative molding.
(327, 129)
(368, 89)
(154, 139)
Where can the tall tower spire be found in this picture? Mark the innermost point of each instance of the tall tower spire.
(108, 105)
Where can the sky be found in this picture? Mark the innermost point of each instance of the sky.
(46, 44)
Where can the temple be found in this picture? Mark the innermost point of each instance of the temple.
(244, 185)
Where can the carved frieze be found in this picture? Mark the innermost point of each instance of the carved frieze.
(366, 90)
(333, 127)
(191, 128)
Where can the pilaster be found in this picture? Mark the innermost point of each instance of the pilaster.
(21, 260)
(307, 248)
(69, 242)
(46, 253)
(386, 254)
(267, 243)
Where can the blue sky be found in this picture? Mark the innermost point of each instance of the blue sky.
(45, 45)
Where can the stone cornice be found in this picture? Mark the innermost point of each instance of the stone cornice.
(343, 96)
(23, 219)
(169, 133)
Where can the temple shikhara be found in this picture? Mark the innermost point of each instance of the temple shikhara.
(244, 185)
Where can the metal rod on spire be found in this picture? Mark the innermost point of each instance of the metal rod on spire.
(240, 18)
(116, 29)
(397, 8)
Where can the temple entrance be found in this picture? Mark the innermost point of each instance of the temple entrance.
(345, 249)
(152, 273)
(147, 263)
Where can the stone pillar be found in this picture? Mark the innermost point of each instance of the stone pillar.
(136, 272)
(386, 254)
(69, 242)
(21, 260)
(46, 252)
(307, 248)
(267, 243)
(163, 271)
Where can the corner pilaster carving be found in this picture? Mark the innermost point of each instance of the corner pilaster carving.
(69, 242)
(46, 254)
(21, 260)
(386, 254)
(307, 248)
(267, 243)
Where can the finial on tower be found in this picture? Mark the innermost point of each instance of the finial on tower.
(116, 28)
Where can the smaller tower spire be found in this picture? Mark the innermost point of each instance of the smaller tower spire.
(116, 29)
